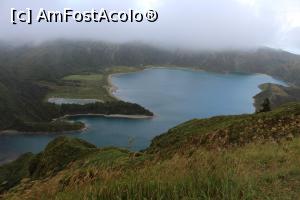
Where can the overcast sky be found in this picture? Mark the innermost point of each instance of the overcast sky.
(196, 24)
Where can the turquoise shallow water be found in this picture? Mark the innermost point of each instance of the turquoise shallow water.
(174, 95)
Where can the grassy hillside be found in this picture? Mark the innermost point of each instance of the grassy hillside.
(230, 157)
(21, 100)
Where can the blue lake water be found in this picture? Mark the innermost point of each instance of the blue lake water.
(174, 95)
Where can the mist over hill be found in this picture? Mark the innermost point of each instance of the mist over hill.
(66, 56)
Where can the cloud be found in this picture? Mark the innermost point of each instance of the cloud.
(204, 24)
(291, 41)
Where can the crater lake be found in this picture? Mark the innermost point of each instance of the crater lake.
(173, 95)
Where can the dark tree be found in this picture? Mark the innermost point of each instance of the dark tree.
(265, 106)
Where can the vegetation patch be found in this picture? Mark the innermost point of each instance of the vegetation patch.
(85, 85)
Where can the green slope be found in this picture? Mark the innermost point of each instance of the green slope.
(231, 157)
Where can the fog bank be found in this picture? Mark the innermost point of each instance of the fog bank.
(191, 24)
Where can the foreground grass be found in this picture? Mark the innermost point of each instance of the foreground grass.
(269, 171)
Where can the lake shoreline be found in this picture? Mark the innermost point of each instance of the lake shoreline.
(111, 87)
(15, 132)
(121, 116)
(111, 116)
